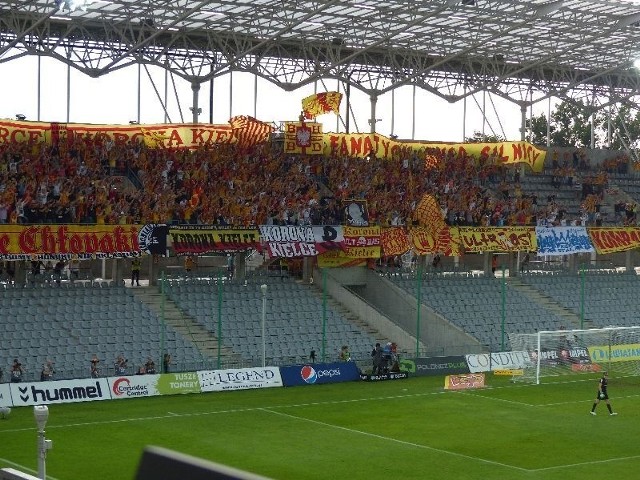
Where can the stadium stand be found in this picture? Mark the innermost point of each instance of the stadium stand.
(476, 304)
(110, 184)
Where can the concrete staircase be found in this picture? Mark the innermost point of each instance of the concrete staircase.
(571, 320)
(351, 317)
(205, 341)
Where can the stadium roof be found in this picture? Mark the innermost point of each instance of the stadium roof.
(523, 50)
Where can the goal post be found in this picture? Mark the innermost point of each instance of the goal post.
(570, 352)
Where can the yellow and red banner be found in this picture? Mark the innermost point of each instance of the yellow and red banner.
(497, 239)
(303, 138)
(300, 137)
(321, 103)
(338, 259)
(359, 245)
(173, 136)
(362, 242)
(446, 241)
(29, 242)
(614, 239)
(394, 241)
(502, 153)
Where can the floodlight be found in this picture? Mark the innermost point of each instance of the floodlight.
(41, 414)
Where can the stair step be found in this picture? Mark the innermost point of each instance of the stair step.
(205, 342)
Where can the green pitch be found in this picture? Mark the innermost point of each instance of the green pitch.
(408, 429)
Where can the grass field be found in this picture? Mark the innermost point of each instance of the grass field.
(407, 429)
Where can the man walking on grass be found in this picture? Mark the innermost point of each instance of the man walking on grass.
(602, 394)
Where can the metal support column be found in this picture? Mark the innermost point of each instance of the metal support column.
(372, 120)
(195, 109)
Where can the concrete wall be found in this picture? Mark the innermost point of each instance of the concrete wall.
(335, 280)
(394, 312)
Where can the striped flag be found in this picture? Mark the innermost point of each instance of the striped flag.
(250, 131)
(320, 103)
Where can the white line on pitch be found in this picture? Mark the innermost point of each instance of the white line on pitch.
(402, 442)
(592, 462)
(233, 410)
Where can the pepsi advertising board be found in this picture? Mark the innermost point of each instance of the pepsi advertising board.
(317, 373)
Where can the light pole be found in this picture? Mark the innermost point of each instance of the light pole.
(263, 288)
(41, 414)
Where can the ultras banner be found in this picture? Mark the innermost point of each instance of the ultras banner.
(614, 239)
(394, 241)
(363, 145)
(198, 239)
(30, 242)
(182, 135)
(497, 239)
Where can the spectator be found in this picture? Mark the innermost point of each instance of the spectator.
(150, 366)
(166, 362)
(136, 264)
(524, 265)
(121, 365)
(345, 355)
(57, 271)
(230, 265)
(46, 374)
(95, 371)
(378, 360)
(17, 371)
(74, 268)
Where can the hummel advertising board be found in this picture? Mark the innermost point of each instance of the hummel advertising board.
(5, 395)
(61, 391)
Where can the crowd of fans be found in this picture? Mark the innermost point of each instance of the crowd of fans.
(84, 182)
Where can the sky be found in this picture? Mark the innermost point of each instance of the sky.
(112, 99)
